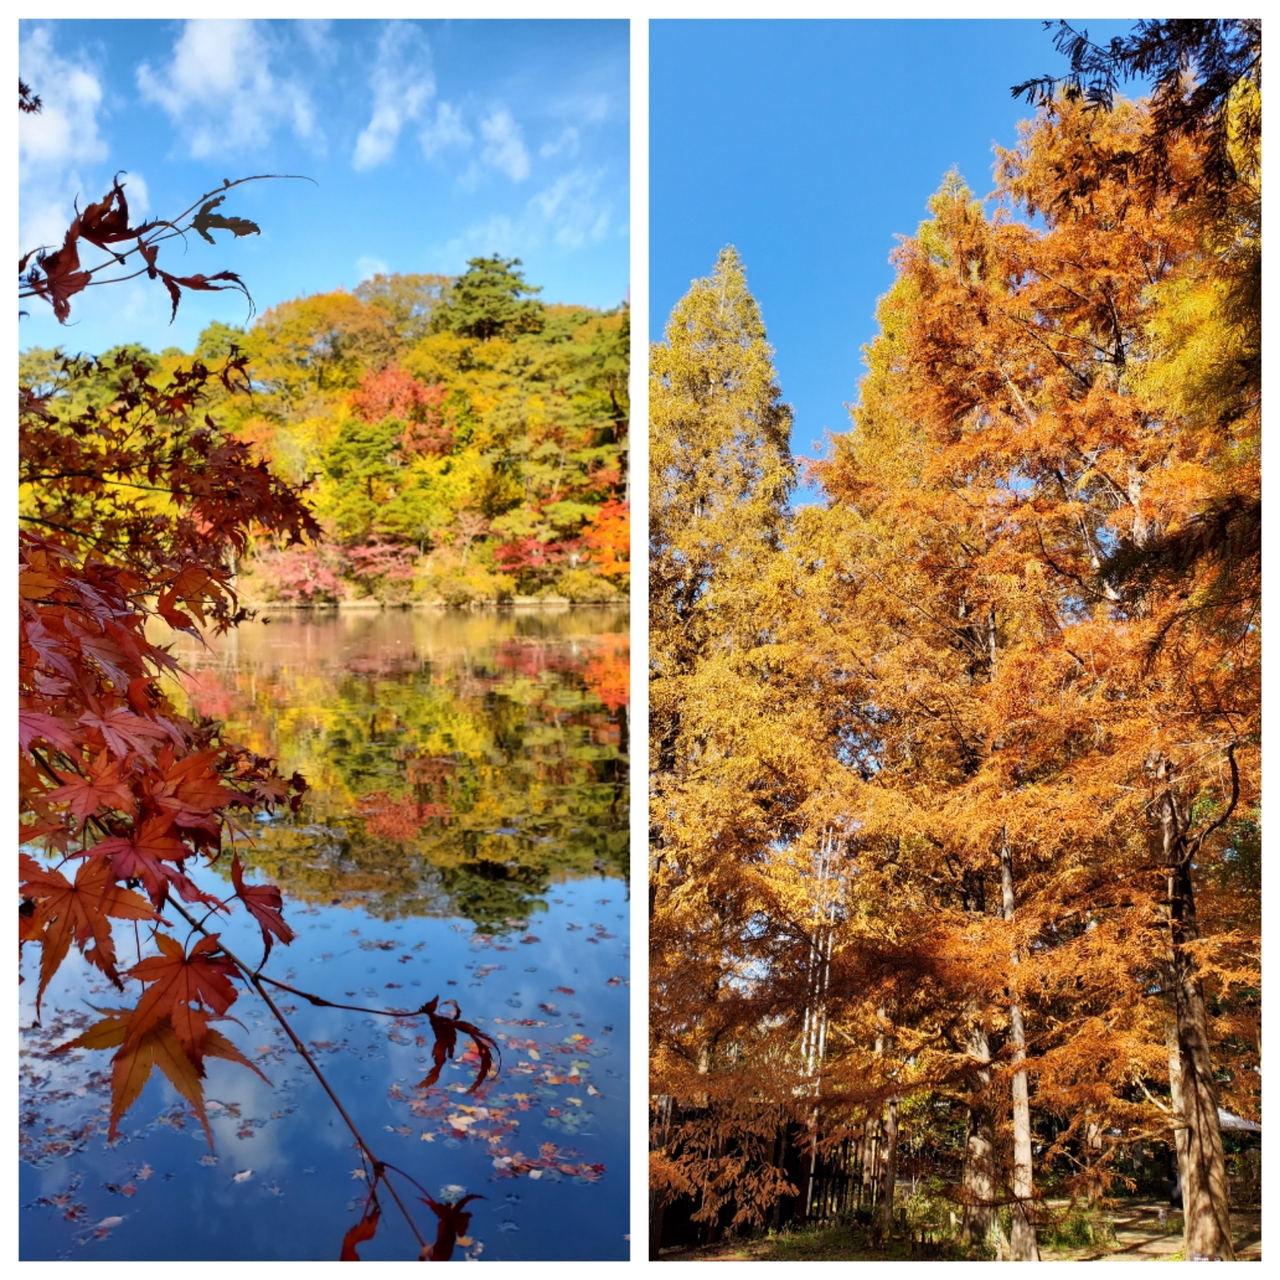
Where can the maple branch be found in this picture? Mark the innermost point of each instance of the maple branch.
(321, 1003)
(250, 976)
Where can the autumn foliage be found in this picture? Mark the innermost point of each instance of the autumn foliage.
(956, 779)
(135, 505)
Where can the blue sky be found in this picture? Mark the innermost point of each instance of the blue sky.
(808, 146)
(430, 142)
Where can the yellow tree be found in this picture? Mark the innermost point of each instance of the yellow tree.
(729, 733)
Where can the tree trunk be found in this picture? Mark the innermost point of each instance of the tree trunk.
(1022, 1238)
(888, 1174)
(870, 1159)
(1205, 1202)
(1179, 1124)
(979, 1177)
(1093, 1152)
(656, 1210)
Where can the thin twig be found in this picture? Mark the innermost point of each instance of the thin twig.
(379, 1166)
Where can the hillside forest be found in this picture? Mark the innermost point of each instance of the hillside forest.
(458, 440)
(955, 895)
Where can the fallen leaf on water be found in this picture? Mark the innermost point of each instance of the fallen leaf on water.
(363, 1230)
(243, 1176)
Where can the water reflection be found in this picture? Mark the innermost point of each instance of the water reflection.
(460, 765)
(468, 772)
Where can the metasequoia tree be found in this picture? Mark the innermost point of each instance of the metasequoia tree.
(947, 806)
(1033, 711)
(726, 756)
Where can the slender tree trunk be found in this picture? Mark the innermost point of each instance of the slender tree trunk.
(888, 1174)
(979, 1177)
(1022, 1238)
(870, 1159)
(1179, 1122)
(1093, 1152)
(656, 1211)
(1205, 1200)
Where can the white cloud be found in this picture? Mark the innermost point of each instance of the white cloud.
(567, 214)
(403, 84)
(504, 146)
(137, 194)
(314, 33)
(567, 141)
(57, 141)
(591, 108)
(219, 89)
(367, 268)
(447, 131)
(65, 130)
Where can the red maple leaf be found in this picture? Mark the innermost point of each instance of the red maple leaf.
(141, 855)
(124, 732)
(104, 787)
(264, 904)
(67, 913)
(176, 981)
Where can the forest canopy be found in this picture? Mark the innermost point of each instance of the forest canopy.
(460, 440)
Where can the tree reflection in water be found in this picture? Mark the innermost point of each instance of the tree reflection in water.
(460, 764)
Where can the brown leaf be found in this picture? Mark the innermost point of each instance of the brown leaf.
(446, 1033)
(131, 1068)
(265, 904)
(175, 981)
(453, 1223)
(107, 221)
(62, 278)
(365, 1229)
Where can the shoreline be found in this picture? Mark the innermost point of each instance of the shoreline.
(558, 604)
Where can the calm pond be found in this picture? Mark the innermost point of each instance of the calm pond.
(465, 837)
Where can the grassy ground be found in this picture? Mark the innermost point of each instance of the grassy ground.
(1131, 1230)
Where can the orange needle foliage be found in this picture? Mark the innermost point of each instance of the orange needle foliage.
(954, 788)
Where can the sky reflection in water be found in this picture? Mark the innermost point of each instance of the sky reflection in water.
(514, 903)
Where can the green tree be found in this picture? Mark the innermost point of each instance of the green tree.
(410, 300)
(490, 301)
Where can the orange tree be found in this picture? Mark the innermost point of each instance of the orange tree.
(1036, 708)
